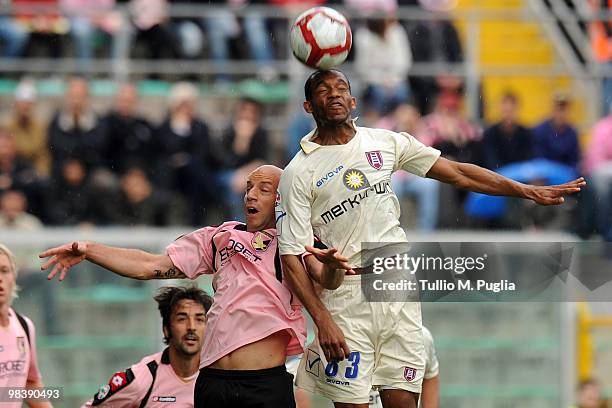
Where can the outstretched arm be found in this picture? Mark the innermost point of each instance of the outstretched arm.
(480, 180)
(131, 263)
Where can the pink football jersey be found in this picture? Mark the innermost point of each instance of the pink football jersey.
(17, 356)
(252, 300)
(137, 387)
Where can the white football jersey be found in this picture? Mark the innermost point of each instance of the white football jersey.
(342, 193)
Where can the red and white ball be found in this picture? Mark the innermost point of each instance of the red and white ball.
(321, 38)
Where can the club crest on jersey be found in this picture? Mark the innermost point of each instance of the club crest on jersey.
(21, 346)
(410, 373)
(261, 240)
(355, 180)
(375, 159)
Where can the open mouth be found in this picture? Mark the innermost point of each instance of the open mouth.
(335, 105)
(191, 339)
(252, 210)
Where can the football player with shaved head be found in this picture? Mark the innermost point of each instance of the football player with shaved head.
(255, 322)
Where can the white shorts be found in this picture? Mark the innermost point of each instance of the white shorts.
(386, 344)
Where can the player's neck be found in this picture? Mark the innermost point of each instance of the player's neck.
(184, 366)
(328, 134)
(4, 315)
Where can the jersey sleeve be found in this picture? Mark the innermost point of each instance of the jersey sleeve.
(293, 211)
(432, 367)
(412, 155)
(125, 389)
(33, 371)
(193, 253)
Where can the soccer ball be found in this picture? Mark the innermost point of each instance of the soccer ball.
(321, 38)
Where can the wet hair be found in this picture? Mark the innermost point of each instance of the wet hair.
(168, 297)
(317, 77)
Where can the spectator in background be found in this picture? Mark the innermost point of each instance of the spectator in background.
(383, 59)
(88, 19)
(71, 199)
(246, 143)
(76, 130)
(13, 206)
(186, 154)
(507, 141)
(589, 395)
(18, 174)
(13, 36)
(29, 132)
(151, 20)
(46, 25)
(130, 137)
(222, 26)
(139, 204)
(556, 139)
(600, 32)
(447, 130)
(432, 41)
(597, 164)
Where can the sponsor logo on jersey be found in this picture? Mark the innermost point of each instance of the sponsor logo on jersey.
(410, 373)
(11, 367)
(329, 175)
(236, 247)
(261, 240)
(355, 180)
(164, 399)
(313, 362)
(337, 382)
(350, 203)
(375, 159)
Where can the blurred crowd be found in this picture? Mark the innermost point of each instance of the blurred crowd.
(83, 167)
(117, 168)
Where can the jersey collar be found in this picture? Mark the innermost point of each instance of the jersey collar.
(309, 147)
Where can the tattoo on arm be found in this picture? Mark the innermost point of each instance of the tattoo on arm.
(171, 273)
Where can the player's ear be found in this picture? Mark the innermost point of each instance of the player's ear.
(307, 106)
(166, 333)
(353, 103)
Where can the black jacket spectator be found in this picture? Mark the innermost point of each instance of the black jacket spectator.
(507, 145)
(130, 141)
(71, 200)
(257, 150)
(76, 130)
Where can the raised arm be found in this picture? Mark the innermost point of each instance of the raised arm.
(480, 180)
(131, 263)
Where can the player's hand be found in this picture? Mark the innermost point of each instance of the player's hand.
(331, 258)
(332, 340)
(554, 195)
(63, 258)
